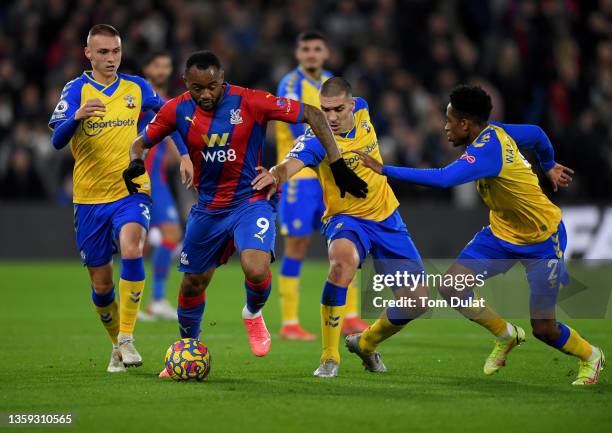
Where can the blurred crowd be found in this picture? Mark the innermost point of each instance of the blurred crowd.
(545, 62)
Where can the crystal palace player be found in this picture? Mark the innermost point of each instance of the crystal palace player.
(525, 225)
(224, 129)
(97, 115)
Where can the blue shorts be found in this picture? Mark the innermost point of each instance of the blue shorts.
(164, 208)
(388, 241)
(211, 238)
(301, 207)
(97, 226)
(544, 263)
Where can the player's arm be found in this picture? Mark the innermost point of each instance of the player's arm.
(68, 114)
(162, 125)
(269, 107)
(532, 137)
(475, 163)
(307, 151)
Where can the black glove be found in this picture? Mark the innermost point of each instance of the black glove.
(135, 169)
(347, 180)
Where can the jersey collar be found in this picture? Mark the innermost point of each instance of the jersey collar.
(107, 90)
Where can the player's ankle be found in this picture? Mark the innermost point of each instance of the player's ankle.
(247, 314)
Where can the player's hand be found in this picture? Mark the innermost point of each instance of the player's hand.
(91, 108)
(135, 169)
(265, 180)
(559, 176)
(186, 169)
(347, 180)
(369, 161)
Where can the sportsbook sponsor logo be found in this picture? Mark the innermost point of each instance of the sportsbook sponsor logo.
(94, 127)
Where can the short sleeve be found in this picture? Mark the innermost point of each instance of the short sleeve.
(69, 103)
(308, 149)
(150, 99)
(266, 106)
(162, 125)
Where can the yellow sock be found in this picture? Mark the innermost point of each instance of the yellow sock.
(289, 289)
(130, 296)
(352, 300)
(109, 316)
(574, 345)
(376, 333)
(486, 317)
(331, 327)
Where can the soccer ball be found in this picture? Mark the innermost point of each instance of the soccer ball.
(188, 359)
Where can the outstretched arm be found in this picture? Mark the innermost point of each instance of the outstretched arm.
(317, 121)
(276, 176)
(473, 164)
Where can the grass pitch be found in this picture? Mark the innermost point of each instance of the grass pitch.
(54, 355)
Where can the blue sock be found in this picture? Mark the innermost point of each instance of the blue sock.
(102, 300)
(190, 312)
(290, 267)
(397, 317)
(333, 295)
(162, 256)
(257, 293)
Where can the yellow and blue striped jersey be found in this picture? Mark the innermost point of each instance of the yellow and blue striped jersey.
(381, 201)
(101, 146)
(520, 212)
(296, 85)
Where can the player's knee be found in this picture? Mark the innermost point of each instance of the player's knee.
(256, 272)
(131, 250)
(342, 272)
(296, 247)
(194, 284)
(102, 287)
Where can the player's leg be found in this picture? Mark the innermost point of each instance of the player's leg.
(94, 239)
(254, 236)
(393, 251)
(295, 251)
(192, 302)
(546, 275)
(352, 322)
(103, 297)
(161, 261)
(164, 216)
(299, 215)
(130, 219)
(344, 258)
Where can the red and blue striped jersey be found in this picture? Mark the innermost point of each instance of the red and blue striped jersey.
(226, 144)
(156, 161)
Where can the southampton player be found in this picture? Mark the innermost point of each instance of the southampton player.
(524, 225)
(301, 204)
(224, 129)
(98, 114)
(164, 214)
(353, 228)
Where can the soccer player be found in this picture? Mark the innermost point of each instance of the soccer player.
(224, 128)
(98, 114)
(353, 228)
(164, 215)
(524, 225)
(301, 205)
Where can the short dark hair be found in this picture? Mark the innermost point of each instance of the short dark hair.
(102, 29)
(472, 102)
(155, 55)
(310, 35)
(336, 86)
(203, 60)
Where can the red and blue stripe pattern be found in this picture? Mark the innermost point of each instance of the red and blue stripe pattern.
(225, 145)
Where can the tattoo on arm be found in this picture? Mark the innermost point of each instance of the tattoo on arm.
(317, 121)
(137, 149)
